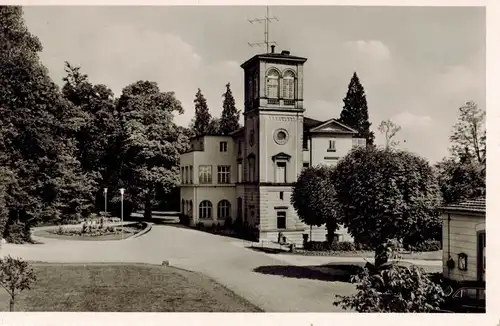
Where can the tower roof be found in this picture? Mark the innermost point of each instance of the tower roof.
(284, 56)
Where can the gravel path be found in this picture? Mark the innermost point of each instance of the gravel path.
(226, 260)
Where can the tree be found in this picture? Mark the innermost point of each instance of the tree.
(355, 111)
(460, 180)
(385, 194)
(16, 275)
(202, 116)
(230, 117)
(313, 198)
(394, 289)
(469, 133)
(151, 142)
(37, 126)
(389, 130)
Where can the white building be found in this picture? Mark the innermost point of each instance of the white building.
(250, 173)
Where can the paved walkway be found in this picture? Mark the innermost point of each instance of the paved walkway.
(221, 258)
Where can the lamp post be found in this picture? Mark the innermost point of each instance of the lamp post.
(122, 191)
(105, 201)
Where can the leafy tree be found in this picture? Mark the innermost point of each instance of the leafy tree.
(202, 116)
(355, 111)
(313, 198)
(16, 275)
(37, 125)
(214, 127)
(385, 194)
(151, 143)
(389, 130)
(230, 117)
(460, 180)
(469, 133)
(395, 289)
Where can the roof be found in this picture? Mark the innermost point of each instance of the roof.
(475, 205)
(311, 123)
(344, 128)
(274, 56)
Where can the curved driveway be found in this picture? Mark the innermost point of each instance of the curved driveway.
(226, 260)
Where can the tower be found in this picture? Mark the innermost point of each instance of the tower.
(273, 118)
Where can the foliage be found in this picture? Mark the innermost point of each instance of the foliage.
(202, 116)
(230, 117)
(313, 197)
(330, 246)
(355, 110)
(395, 289)
(385, 194)
(469, 133)
(428, 245)
(389, 129)
(16, 276)
(151, 143)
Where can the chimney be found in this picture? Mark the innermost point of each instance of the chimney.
(285, 52)
(272, 48)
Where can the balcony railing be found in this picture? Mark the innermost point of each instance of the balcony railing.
(273, 101)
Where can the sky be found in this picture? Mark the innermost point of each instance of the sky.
(418, 65)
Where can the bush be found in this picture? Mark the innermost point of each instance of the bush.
(394, 289)
(17, 232)
(429, 245)
(330, 246)
(184, 219)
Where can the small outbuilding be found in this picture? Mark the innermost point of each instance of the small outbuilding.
(464, 240)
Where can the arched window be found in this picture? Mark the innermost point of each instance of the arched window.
(272, 83)
(205, 210)
(223, 209)
(289, 85)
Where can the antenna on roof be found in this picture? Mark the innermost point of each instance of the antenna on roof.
(266, 21)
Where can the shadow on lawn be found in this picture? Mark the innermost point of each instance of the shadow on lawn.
(329, 273)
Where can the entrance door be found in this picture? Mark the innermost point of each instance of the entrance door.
(481, 256)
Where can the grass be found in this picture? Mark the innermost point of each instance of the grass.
(124, 288)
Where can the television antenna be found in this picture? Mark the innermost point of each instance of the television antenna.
(266, 20)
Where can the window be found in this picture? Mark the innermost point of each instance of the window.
(255, 87)
(281, 220)
(305, 165)
(305, 143)
(281, 195)
(251, 169)
(470, 293)
(280, 172)
(223, 209)
(190, 208)
(289, 85)
(224, 174)
(272, 82)
(191, 175)
(240, 172)
(223, 146)
(359, 142)
(331, 146)
(205, 174)
(205, 210)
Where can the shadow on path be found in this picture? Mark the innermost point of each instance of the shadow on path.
(329, 273)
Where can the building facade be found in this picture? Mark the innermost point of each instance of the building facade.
(250, 173)
(464, 240)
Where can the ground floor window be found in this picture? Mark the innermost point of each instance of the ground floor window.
(281, 220)
(223, 209)
(205, 210)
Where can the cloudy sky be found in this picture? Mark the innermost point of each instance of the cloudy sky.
(418, 65)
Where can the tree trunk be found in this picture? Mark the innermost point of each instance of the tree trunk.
(11, 304)
(310, 232)
(148, 209)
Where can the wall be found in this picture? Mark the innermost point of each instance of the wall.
(320, 144)
(214, 195)
(462, 237)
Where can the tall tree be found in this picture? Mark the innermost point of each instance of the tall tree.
(202, 116)
(469, 133)
(230, 117)
(355, 111)
(37, 125)
(151, 142)
(389, 130)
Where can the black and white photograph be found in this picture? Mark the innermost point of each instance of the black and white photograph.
(263, 158)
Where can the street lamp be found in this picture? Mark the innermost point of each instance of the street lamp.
(122, 191)
(105, 201)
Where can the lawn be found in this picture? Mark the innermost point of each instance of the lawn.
(124, 288)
